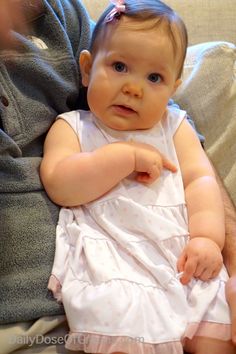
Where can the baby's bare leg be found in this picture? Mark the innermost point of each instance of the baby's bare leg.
(203, 345)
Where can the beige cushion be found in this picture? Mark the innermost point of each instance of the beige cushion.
(95, 7)
(207, 20)
(208, 93)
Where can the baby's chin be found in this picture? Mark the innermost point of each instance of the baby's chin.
(116, 120)
(125, 124)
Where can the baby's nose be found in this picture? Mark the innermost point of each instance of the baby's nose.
(132, 89)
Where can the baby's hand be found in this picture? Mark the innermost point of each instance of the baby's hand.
(149, 163)
(201, 259)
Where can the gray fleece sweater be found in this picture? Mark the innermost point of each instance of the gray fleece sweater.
(38, 80)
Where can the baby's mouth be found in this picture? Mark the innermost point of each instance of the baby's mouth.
(124, 109)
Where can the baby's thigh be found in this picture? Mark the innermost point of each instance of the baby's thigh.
(203, 345)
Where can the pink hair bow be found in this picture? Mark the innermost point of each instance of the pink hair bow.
(119, 8)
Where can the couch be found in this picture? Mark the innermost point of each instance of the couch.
(208, 93)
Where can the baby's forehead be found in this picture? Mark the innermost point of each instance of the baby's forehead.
(143, 28)
(140, 33)
(128, 24)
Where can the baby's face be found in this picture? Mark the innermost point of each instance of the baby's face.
(132, 77)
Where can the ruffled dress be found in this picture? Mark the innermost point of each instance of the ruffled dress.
(115, 261)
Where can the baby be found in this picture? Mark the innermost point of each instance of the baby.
(138, 262)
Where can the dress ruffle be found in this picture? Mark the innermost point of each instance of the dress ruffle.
(94, 343)
(97, 343)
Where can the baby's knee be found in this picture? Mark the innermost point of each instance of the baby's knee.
(203, 345)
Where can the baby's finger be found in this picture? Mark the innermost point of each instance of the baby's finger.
(168, 164)
(205, 275)
(216, 272)
(150, 176)
(199, 270)
(181, 262)
(189, 270)
(143, 177)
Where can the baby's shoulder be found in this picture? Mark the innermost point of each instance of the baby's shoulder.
(173, 118)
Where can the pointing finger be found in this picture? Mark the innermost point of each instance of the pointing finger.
(168, 164)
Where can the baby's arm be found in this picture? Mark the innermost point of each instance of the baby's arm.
(72, 177)
(202, 256)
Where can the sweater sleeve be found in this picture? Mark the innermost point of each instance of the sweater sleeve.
(37, 83)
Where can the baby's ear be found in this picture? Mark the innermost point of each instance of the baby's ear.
(178, 82)
(85, 62)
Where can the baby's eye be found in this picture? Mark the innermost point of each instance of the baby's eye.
(120, 67)
(154, 77)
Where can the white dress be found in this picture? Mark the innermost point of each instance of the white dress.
(115, 261)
